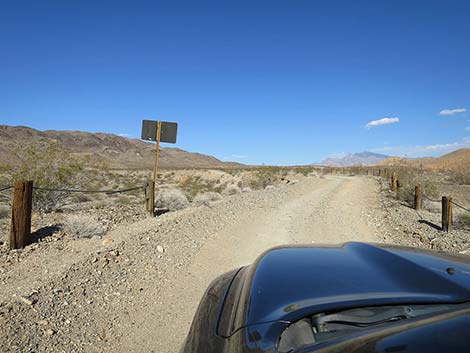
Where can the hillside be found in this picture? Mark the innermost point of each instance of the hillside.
(115, 151)
(457, 161)
(355, 159)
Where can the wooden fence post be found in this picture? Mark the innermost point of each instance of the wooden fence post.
(446, 213)
(150, 198)
(418, 197)
(20, 229)
(394, 181)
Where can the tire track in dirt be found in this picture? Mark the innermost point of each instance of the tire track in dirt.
(319, 211)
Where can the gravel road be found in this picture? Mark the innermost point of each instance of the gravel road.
(137, 289)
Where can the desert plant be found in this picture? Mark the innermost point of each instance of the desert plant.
(171, 199)
(464, 220)
(206, 198)
(80, 226)
(461, 178)
(50, 167)
(4, 212)
(232, 189)
(264, 177)
(193, 185)
(406, 193)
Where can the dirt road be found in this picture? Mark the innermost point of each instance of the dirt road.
(128, 295)
(316, 211)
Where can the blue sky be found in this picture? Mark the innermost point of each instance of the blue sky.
(275, 82)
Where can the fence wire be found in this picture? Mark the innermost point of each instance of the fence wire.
(107, 192)
(460, 206)
(432, 200)
(4, 188)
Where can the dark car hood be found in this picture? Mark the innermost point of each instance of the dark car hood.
(287, 283)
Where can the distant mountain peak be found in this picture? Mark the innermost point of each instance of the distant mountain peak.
(355, 159)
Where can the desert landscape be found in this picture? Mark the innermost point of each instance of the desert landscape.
(101, 275)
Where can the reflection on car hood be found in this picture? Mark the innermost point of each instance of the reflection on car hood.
(288, 283)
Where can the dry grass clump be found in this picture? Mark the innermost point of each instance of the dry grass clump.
(206, 198)
(232, 189)
(195, 184)
(461, 178)
(4, 212)
(264, 177)
(464, 220)
(408, 178)
(172, 199)
(80, 226)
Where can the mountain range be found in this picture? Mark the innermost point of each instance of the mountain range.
(355, 159)
(115, 151)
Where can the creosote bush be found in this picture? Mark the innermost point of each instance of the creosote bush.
(50, 167)
(80, 226)
(206, 198)
(232, 189)
(4, 212)
(171, 199)
(464, 220)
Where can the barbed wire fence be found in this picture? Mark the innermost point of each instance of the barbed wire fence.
(392, 175)
(21, 203)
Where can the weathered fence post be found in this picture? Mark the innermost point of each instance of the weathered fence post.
(150, 198)
(394, 181)
(20, 229)
(418, 197)
(446, 213)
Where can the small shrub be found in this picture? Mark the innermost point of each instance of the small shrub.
(80, 198)
(123, 200)
(464, 220)
(171, 199)
(406, 193)
(206, 198)
(50, 166)
(80, 226)
(232, 190)
(4, 212)
(461, 178)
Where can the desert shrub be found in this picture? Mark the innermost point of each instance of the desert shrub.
(80, 226)
(461, 178)
(206, 198)
(430, 190)
(232, 189)
(80, 198)
(123, 200)
(4, 212)
(263, 178)
(171, 199)
(193, 185)
(406, 193)
(50, 167)
(464, 220)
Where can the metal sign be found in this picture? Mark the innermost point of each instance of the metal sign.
(167, 133)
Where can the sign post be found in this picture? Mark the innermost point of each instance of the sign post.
(158, 131)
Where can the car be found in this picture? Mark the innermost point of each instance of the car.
(353, 297)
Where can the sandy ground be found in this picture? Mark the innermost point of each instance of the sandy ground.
(138, 291)
(325, 211)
